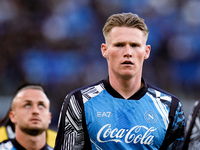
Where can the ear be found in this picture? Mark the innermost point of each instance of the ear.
(50, 116)
(12, 116)
(147, 51)
(104, 50)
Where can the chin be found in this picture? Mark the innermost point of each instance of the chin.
(126, 76)
(33, 131)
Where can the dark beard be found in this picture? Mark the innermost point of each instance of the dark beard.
(32, 132)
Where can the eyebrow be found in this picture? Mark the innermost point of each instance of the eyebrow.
(130, 43)
(30, 101)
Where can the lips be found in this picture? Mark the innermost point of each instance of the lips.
(35, 119)
(127, 63)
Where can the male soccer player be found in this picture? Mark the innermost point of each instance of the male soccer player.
(31, 117)
(123, 111)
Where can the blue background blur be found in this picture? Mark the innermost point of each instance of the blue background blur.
(57, 43)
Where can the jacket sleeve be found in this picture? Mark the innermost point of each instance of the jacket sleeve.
(175, 134)
(192, 135)
(178, 129)
(70, 134)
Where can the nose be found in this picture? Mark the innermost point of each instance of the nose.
(127, 51)
(35, 109)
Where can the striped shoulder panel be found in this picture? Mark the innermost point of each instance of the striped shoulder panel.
(161, 95)
(92, 91)
(73, 116)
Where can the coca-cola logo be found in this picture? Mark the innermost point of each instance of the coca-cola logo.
(137, 134)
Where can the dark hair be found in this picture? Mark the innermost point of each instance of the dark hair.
(5, 121)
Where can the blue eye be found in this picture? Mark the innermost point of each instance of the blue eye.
(27, 105)
(41, 106)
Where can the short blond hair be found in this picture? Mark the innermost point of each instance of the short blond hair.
(126, 20)
(25, 87)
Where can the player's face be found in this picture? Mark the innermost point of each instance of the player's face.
(31, 111)
(125, 51)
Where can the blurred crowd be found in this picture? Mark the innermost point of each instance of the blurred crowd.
(57, 43)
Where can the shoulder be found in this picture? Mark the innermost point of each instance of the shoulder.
(164, 96)
(3, 133)
(79, 96)
(87, 91)
(194, 114)
(49, 147)
(160, 92)
(170, 100)
(6, 144)
(196, 105)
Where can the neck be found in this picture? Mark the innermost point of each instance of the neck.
(30, 142)
(126, 87)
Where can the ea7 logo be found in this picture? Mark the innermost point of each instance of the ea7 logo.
(103, 114)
